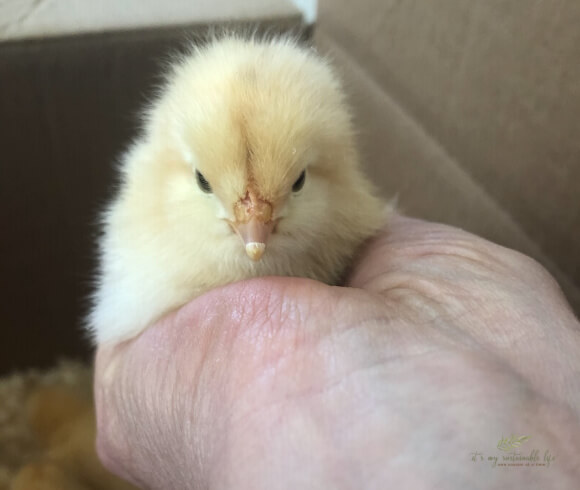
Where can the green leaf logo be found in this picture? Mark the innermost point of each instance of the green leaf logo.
(511, 442)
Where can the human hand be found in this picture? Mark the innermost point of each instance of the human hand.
(443, 344)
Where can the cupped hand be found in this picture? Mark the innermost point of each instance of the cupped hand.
(441, 344)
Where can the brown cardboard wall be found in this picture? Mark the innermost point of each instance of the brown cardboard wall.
(497, 85)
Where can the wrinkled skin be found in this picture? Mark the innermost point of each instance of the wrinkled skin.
(443, 344)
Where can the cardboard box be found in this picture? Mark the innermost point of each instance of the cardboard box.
(470, 113)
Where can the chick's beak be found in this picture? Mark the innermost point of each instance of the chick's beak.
(253, 224)
(255, 235)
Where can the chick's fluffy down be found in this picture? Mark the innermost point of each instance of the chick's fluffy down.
(250, 116)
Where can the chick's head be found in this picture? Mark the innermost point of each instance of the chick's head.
(255, 140)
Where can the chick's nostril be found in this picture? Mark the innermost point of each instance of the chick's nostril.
(252, 206)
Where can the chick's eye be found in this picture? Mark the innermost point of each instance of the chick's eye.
(299, 184)
(202, 182)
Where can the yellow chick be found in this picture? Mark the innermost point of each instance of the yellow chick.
(64, 424)
(246, 167)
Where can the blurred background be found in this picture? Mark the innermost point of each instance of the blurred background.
(468, 111)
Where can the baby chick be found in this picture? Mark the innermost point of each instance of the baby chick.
(63, 423)
(246, 167)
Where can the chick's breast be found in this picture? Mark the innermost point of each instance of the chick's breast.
(246, 167)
